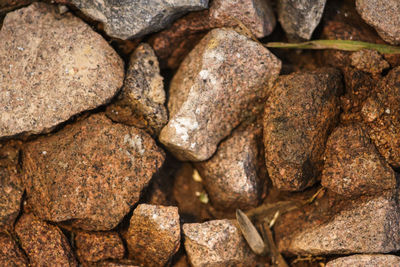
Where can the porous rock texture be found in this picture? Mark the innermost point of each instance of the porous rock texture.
(366, 260)
(300, 112)
(132, 18)
(142, 100)
(10, 254)
(52, 66)
(218, 85)
(89, 173)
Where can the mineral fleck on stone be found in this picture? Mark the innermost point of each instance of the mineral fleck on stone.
(367, 260)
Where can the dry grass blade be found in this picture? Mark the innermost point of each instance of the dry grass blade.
(276, 257)
(250, 233)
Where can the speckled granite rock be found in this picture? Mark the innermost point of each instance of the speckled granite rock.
(232, 175)
(216, 243)
(219, 84)
(353, 166)
(300, 18)
(299, 114)
(90, 173)
(142, 100)
(52, 67)
(369, 260)
(97, 246)
(382, 115)
(383, 16)
(369, 61)
(132, 18)
(10, 254)
(43, 243)
(154, 234)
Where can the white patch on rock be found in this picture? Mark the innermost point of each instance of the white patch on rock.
(135, 142)
(183, 126)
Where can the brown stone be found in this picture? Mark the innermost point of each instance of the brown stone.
(216, 243)
(90, 173)
(218, 85)
(299, 114)
(10, 254)
(353, 165)
(52, 67)
(142, 100)
(154, 234)
(43, 243)
(97, 246)
(382, 115)
(368, 260)
(369, 61)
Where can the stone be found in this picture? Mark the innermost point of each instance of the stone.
(10, 254)
(43, 243)
(369, 61)
(219, 84)
(368, 260)
(154, 234)
(52, 67)
(120, 263)
(216, 243)
(132, 19)
(97, 246)
(300, 18)
(141, 103)
(232, 176)
(383, 16)
(90, 173)
(300, 112)
(381, 114)
(353, 166)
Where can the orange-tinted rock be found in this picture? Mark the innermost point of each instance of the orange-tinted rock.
(10, 254)
(300, 112)
(368, 260)
(90, 173)
(43, 243)
(369, 61)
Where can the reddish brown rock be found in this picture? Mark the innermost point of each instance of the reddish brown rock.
(232, 176)
(97, 246)
(43, 243)
(382, 115)
(142, 100)
(218, 85)
(90, 173)
(369, 61)
(353, 166)
(154, 234)
(10, 253)
(52, 67)
(216, 243)
(368, 260)
(299, 114)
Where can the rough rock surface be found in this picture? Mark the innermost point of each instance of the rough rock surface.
(232, 175)
(154, 234)
(142, 100)
(369, 260)
(96, 246)
(353, 166)
(43, 243)
(52, 67)
(382, 115)
(10, 253)
(299, 114)
(218, 85)
(89, 173)
(369, 61)
(300, 18)
(132, 18)
(383, 16)
(216, 243)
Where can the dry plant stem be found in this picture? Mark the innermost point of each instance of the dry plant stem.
(276, 257)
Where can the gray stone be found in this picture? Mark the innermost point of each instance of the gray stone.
(132, 18)
(52, 67)
(368, 260)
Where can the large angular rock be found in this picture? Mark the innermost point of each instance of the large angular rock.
(89, 173)
(382, 115)
(383, 15)
(132, 18)
(44, 243)
(299, 114)
(52, 67)
(142, 100)
(10, 253)
(368, 260)
(353, 166)
(218, 85)
(300, 18)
